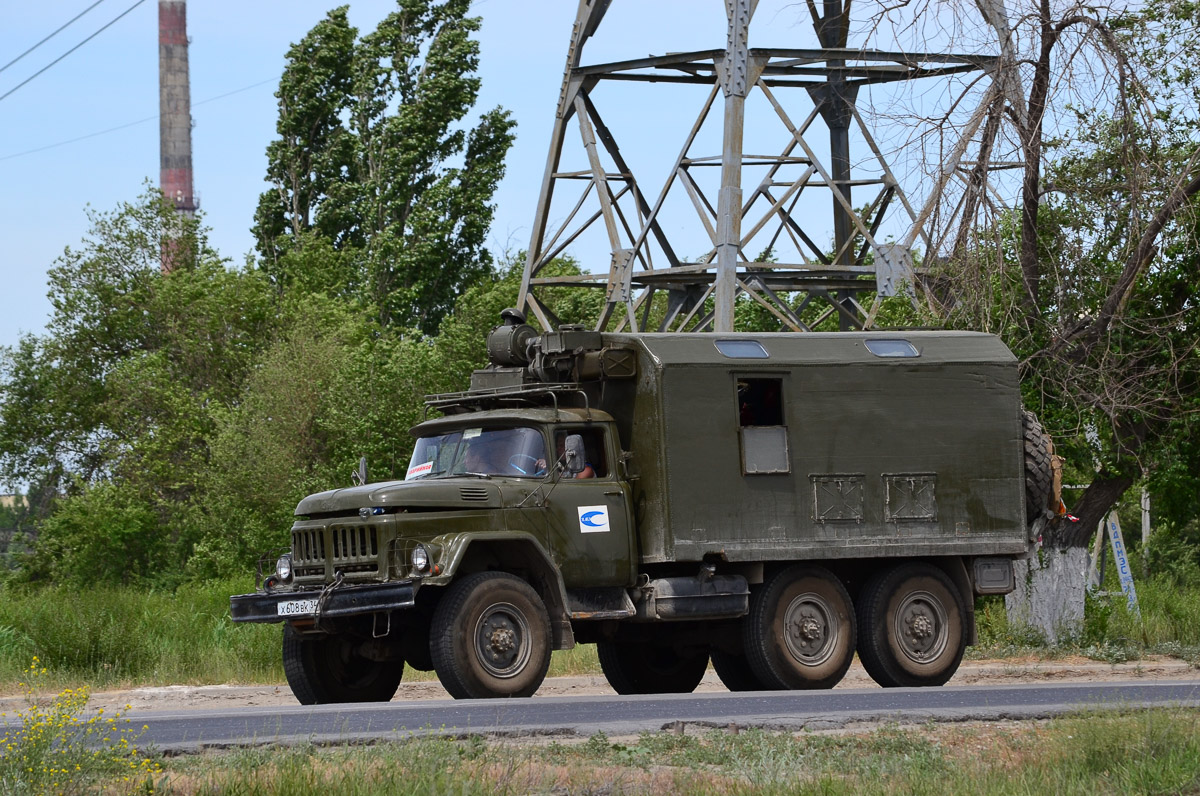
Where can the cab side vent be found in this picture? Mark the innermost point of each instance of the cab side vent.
(473, 493)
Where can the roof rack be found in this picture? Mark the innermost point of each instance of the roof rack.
(521, 395)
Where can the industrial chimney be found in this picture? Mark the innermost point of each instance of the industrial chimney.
(175, 112)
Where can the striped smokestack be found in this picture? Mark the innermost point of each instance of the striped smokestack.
(175, 110)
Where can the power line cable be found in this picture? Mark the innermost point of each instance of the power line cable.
(80, 138)
(133, 124)
(51, 36)
(73, 49)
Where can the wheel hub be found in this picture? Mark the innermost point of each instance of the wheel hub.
(503, 639)
(921, 627)
(810, 631)
(500, 641)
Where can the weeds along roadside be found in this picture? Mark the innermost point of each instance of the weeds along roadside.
(1169, 624)
(1156, 751)
(59, 746)
(106, 637)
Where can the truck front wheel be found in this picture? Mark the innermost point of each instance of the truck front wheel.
(735, 672)
(651, 669)
(911, 626)
(490, 637)
(325, 669)
(800, 629)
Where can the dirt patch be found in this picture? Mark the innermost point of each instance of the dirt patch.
(996, 672)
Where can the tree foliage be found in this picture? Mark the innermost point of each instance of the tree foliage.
(1088, 279)
(125, 385)
(373, 169)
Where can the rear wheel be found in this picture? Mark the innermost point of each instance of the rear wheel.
(324, 669)
(800, 629)
(911, 621)
(490, 637)
(651, 669)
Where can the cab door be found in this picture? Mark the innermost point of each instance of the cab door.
(589, 519)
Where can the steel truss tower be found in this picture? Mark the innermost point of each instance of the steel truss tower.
(700, 295)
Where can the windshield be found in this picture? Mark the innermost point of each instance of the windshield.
(517, 452)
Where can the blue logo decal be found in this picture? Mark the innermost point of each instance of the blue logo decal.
(589, 519)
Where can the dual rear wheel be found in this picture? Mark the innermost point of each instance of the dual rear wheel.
(803, 629)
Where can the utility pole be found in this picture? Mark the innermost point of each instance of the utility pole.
(175, 115)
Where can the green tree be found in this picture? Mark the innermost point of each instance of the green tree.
(373, 169)
(122, 391)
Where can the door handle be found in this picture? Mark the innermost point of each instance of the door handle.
(614, 492)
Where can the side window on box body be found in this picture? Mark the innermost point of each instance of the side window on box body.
(762, 431)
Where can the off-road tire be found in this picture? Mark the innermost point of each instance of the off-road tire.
(490, 637)
(734, 671)
(651, 669)
(1039, 468)
(326, 669)
(911, 623)
(800, 631)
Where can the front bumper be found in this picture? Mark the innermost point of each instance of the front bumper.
(343, 601)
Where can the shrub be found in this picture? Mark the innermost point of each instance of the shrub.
(60, 748)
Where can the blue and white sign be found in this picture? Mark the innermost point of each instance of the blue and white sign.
(1123, 571)
(593, 519)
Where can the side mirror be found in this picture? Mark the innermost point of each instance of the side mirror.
(574, 459)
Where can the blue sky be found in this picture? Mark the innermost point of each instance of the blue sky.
(239, 47)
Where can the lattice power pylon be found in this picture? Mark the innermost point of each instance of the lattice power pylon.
(811, 94)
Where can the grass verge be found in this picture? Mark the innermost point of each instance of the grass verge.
(1146, 752)
(1168, 624)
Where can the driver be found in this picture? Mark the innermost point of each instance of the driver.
(481, 458)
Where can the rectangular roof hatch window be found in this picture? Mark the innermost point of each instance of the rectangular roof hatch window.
(892, 348)
(742, 349)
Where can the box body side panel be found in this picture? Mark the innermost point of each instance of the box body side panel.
(885, 459)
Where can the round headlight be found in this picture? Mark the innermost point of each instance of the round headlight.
(283, 567)
(420, 558)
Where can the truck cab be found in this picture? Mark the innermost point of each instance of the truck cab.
(579, 515)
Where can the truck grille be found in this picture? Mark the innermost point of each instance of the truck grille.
(473, 493)
(350, 548)
(354, 543)
(308, 548)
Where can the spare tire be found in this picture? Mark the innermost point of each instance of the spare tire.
(1039, 467)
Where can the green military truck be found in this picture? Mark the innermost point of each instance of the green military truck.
(772, 503)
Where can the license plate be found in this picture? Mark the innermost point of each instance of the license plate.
(296, 607)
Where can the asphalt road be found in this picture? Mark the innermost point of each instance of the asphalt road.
(191, 730)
